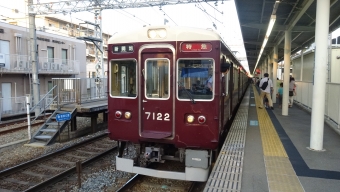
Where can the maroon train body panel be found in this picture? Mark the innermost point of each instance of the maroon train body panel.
(171, 94)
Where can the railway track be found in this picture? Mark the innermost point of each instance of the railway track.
(19, 124)
(145, 183)
(39, 173)
(5, 129)
(13, 122)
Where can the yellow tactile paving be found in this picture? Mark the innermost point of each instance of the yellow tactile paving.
(271, 142)
(280, 173)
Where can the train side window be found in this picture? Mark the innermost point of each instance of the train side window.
(123, 78)
(226, 80)
(193, 78)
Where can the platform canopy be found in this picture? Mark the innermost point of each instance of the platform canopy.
(297, 15)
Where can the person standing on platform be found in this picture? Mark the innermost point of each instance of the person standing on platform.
(266, 86)
(280, 94)
(292, 86)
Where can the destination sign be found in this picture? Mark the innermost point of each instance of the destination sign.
(122, 48)
(196, 47)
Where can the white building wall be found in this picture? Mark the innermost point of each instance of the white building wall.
(20, 77)
(308, 66)
(335, 65)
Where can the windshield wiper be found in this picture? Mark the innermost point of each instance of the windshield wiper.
(191, 97)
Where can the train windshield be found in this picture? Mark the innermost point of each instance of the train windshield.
(195, 79)
(123, 78)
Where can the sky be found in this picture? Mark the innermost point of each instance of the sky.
(220, 17)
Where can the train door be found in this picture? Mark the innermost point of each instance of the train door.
(157, 100)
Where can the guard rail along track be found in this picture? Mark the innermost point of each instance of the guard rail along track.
(41, 172)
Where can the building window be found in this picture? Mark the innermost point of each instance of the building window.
(64, 56)
(50, 54)
(93, 74)
(49, 86)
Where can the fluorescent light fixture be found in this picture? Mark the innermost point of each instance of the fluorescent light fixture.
(271, 25)
(266, 37)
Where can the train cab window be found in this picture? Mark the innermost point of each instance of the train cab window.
(157, 78)
(123, 78)
(195, 79)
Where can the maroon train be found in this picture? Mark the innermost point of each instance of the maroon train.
(160, 101)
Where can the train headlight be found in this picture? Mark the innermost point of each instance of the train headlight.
(190, 118)
(162, 33)
(201, 119)
(156, 33)
(152, 34)
(118, 114)
(127, 115)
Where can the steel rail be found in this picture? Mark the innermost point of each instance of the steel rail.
(130, 183)
(18, 128)
(27, 164)
(68, 172)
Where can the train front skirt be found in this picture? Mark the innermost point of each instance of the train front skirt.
(190, 174)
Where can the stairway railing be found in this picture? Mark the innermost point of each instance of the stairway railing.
(44, 104)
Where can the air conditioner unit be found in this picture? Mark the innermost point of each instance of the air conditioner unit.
(62, 67)
(54, 66)
(46, 65)
(20, 64)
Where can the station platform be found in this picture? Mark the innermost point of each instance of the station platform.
(266, 151)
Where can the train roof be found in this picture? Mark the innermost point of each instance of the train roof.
(173, 33)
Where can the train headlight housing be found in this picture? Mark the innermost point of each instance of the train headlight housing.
(190, 118)
(156, 33)
(127, 115)
(118, 114)
(201, 119)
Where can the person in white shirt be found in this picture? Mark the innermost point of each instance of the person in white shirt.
(292, 86)
(267, 91)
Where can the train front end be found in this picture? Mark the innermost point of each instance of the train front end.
(160, 102)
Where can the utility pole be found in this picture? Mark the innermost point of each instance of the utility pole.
(99, 35)
(33, 43)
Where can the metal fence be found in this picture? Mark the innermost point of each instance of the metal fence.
(304, 96)
(71, 90)
(17, 105)
(80, 90)
(21, 63)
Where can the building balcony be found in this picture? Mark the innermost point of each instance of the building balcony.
(20, 64)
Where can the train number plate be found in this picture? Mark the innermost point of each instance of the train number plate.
(157, 116)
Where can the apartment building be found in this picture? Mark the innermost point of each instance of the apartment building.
(65, 25)
(76, 28)
(58, 57)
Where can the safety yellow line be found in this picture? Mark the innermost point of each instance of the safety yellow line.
(280, 173)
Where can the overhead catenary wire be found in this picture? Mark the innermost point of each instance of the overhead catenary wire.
(136, 17)
(202, 9)
(214, 7)
(12, 9)
(160, 8)
(131, 17)
(204, 14)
